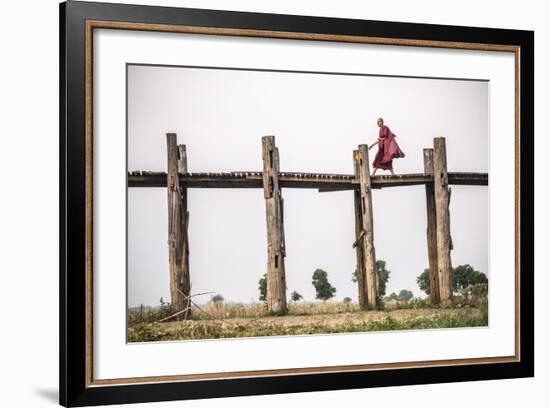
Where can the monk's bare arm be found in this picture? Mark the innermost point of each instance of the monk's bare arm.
(375, 143)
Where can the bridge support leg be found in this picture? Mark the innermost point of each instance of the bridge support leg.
(178, 221)
(368, 238)
(444, 243)
(359, 248)
(431, 230)
(276, 281)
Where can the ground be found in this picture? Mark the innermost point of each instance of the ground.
(241, 321)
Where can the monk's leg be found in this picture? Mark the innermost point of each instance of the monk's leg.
(374, 172)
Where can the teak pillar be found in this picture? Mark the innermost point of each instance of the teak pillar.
(178, 221)
(276, 281)
(444, 245)
(359, 254)
(431, 230)
(184, 230)
(368, 237)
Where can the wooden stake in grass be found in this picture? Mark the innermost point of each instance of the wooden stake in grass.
(444, 243)
(359, 233)
(178, 221)
(276, 281)
(366, 215)
(431, 230)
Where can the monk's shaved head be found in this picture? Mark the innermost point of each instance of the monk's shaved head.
(380, 121)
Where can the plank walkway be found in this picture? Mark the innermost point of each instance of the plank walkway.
(320, 181)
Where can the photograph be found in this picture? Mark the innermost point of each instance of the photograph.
(257, 203)
(299, 203)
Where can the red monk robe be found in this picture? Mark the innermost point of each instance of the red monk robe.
(388, 149)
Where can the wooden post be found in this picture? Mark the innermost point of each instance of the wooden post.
(431, 233)
(366, 214)
(276, 281)
(359, 235)
(441, 193)
(178, 218)
(184, 232)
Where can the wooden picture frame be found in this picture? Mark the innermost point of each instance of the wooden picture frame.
(77, 22)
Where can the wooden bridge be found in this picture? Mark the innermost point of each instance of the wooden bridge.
(438, 194)
(320, 181)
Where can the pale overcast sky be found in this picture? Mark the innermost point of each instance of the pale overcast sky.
(317, 121)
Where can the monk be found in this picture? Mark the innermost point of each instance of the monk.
(388, 149)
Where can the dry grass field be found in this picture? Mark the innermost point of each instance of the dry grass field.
(219, 320)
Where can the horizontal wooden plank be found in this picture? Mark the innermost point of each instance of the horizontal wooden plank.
(320, 181)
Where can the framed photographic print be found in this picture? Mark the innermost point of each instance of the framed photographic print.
(257, 203)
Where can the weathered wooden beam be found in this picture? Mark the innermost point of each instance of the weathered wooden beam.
(182, 159)
(183, 233)
(367, 220)
(431, 233)
(180, 287)
(441, 193)
(335, 189)
(358, 245)
(361, 234)
(321, 181)
(276, 280)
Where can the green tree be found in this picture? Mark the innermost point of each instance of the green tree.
(392, 296)
(346, 300)
(262, 287)
(383, 276)
(405, 295)
(295, 296)
(322, 286)
(423, 281)
(217, 298)
(464, 276)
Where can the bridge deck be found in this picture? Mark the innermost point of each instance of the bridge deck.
(321, 181)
